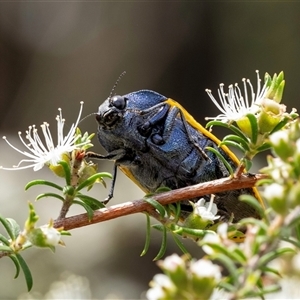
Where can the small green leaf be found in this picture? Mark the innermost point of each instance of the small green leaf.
(162, 189)
(53, 195)
(157, 206)
(265, 259)
(93, 203)
(252, 201)
(272, 288)
(180, 244)
(259, 223)
(92, 179)
(7, 227)
(4, 240)
(89, 211)
(195, 233)
(222, 158)
(228, 263)
(254, 127)
(148, 235)
(267, 269)
(233, 128)
(268, 79)
(17, 265)
(234, 144)
(279, 91)
(26, 271)
(163, 246)
(227, 287)
(238, 139)
(280, 125)
(292, 241)
(176, 211)
(15, 228)
(42, 182)
(265, 146)
(5, 248)
(297, 230)
(158, 227)
(231, 255)
(67, 171)
(247, 163)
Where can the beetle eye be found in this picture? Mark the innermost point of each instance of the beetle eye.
(119, 102)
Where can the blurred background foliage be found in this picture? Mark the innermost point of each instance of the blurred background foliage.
(56, 54)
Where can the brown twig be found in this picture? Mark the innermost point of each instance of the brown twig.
(137, 206)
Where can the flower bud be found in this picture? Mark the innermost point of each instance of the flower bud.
(244, 124)
(205, 275)
(203, 215)
(270, 115)
(162, 288)
(275, 194)
(46, 237)
(282, 144)
(174, 266)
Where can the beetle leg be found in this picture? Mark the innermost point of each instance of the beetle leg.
(186, 126)
(114, 155)
(168, 126)
(112, 186)
(147, 127)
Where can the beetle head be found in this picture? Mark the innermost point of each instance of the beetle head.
(111, 112)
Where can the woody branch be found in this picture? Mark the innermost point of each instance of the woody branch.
(137, 206)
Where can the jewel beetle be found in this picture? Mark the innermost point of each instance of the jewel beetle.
(156, 142)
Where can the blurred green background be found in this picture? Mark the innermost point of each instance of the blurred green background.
(56, 54)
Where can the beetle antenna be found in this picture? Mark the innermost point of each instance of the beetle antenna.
(115, 85)
(86, 117)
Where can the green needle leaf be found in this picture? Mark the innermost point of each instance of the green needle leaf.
(15, 228)
(26, 271)
(233, 128)
(157, 206)
(7, 227)
(89, 211)
(254, 127)
(233, 144)
(17, 265)
(91, 180)
(67, 171)
(180, 244)
(44, 195)
(222, 158)
(148, 233)
(90, 201)
(238, 139)
(163, 246)
(4, 248)
(265, 146)
(4, 240)
(228, 263)
(42, 182)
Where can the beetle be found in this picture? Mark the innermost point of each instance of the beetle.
(156, 142)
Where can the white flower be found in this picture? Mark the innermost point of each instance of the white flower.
(51, 235)
(206, 210)
(274, 191)
(205, 268)
(172, 263)
(161, 287)
(280, 136)
(234, 105)
(45, 153)
(210, 238)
